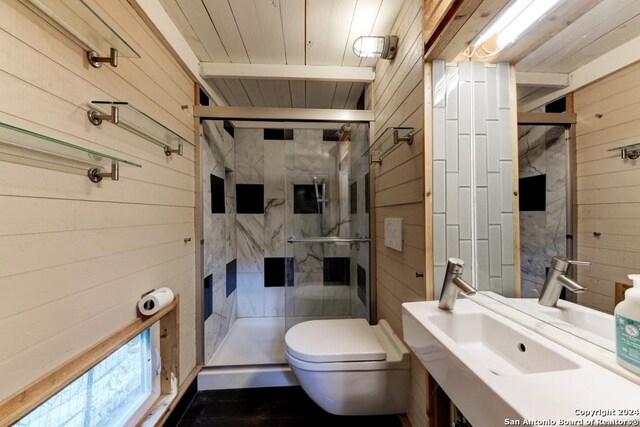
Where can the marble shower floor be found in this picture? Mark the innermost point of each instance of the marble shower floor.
(252, 341)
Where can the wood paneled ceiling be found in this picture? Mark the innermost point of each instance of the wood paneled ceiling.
(603, 27)
(295, 32)
(573, 34)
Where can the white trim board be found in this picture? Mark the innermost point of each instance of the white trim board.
(283, 114)
(550, 80)
(221, 70)
(246, 377)
(285, 125)
(612, 61)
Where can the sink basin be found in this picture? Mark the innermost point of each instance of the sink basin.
(500, 348)
(494, 369)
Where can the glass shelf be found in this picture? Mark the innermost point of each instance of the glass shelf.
(386, 143)
(14, 141)
(136, 121)
(630, 151)
(81, 21)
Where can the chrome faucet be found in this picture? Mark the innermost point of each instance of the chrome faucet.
(453, 284)
(557, 279)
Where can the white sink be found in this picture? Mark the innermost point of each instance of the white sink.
(494, 369)
(502, 349)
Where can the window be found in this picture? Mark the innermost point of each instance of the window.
(116, 392)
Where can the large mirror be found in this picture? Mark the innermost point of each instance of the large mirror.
(534, 162)
(553, 220)
(576, 203)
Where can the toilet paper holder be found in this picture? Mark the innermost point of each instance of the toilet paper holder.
(155, 300)
(146, 293)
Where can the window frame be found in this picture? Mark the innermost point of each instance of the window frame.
(22, 402)
(156, 368)
(135, 410)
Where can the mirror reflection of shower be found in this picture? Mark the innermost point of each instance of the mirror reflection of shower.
(321, 191)
(320, 186)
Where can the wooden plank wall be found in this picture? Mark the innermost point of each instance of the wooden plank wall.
(608, 187)
(399, 186)
(75, 256)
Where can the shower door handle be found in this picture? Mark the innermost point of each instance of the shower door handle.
(294, 239)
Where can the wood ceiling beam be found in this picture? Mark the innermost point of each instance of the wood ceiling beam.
(443, 22)
(328, 73)
(283, 114)
(471, 18)
(550, 80)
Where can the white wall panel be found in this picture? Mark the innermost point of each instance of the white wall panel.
(398, 101)
(82, 254)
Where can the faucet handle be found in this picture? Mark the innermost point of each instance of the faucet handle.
(587, 263)
(455, 265)
(561, 263)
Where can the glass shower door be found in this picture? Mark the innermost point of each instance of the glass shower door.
(327, 224)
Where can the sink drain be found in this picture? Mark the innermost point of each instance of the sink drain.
(522, 347)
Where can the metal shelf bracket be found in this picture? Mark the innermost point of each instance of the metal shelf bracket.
(408, 138)
(168, 151)
(96, 61)
(96, 175)
(626, 153)
(96, 117)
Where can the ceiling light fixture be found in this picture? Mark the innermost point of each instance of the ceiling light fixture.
(514, 20)
(383, 47)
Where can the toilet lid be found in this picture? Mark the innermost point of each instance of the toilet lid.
(343, 340)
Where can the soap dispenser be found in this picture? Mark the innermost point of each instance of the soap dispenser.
(627, 316)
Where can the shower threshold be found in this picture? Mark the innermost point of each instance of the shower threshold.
(250, 356)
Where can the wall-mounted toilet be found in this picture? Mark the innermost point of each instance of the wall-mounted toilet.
(349, 367)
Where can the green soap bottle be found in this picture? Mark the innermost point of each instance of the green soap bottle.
(627, 316)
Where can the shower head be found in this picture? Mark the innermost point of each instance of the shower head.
(315, 185)
(343, 128)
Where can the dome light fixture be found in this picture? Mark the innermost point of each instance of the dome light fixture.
(383, 47)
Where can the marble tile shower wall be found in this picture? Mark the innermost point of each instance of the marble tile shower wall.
(260, 227)
(219, 217)
(276, 199)
(473, 172)
(542, 233)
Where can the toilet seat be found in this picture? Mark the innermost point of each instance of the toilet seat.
(339, 340)
(345, 345)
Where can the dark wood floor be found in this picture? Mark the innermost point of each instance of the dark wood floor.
(265, 407)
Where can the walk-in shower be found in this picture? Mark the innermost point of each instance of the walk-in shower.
(286, 226)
